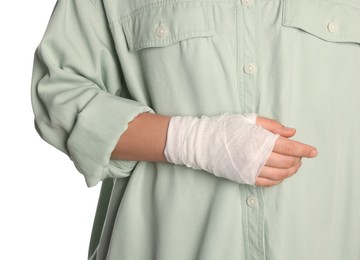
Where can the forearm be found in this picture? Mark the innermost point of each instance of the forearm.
(144, 140)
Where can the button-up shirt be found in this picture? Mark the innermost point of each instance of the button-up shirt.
(103, 62)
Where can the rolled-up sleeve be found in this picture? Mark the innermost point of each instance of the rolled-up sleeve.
(79, 96)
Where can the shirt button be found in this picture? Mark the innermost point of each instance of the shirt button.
(247, 2)
(250, 68)
(161, 30)
(251, 201)
(333, 27)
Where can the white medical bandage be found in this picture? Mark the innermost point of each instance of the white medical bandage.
(228, 146)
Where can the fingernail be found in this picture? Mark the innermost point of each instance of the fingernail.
(313, 153)
(289, 129)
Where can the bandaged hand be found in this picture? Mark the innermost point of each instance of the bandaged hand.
(228, 146)
(235, 148)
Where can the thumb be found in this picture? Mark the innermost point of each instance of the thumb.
(275, 127)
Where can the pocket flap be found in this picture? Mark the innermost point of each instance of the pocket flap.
(329, 20)
(163, 24)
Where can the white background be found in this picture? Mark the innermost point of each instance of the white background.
(46, 210)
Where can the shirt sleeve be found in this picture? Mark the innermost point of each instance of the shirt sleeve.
(76, 83)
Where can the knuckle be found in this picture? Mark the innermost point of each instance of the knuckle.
(290, 162)
(273, 124)
(289, 148)
(283, 174)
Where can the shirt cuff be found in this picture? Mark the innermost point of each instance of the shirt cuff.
(97, 131)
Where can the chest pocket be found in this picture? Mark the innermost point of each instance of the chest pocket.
(163, 24)
(334, 21)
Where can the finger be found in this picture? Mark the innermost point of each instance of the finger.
(281, 161)
(275, 127)
(277, 174)
(263, 182)
(289, 147)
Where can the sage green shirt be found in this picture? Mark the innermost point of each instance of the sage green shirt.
(102, 62)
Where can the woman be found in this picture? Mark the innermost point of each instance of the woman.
(159, 101)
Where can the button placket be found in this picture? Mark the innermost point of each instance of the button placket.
(253, 220)
(249, 29)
